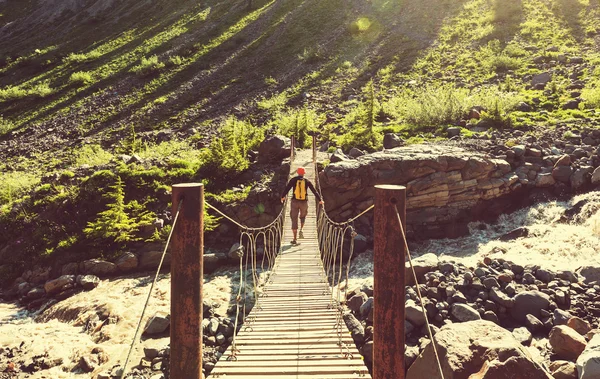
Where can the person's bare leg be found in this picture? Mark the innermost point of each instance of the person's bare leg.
(295, 232)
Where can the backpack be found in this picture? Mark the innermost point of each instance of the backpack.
(300, 190)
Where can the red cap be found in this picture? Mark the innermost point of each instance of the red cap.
(301, 171)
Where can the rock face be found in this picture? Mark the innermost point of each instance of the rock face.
(588, 363)
(476, 349)
(274, 149)
(444, 184)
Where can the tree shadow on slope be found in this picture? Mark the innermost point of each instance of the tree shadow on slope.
(570, 11)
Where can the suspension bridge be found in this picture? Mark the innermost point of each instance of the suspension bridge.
(290, 324)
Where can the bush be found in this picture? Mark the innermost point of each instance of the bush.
(228, 154)
(175, 60)
(503, 63)
(148, 66)
(5, 125)
(93, 155)
(81, 57)
(591, 95)
(81, 77)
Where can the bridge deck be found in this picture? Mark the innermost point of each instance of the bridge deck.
(294, 334)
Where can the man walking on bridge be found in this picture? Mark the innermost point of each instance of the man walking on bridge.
(299, 200)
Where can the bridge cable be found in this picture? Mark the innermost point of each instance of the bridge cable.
(162, 258)
(437, 357)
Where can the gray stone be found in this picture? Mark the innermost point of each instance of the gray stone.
(157, 324)
(545, 180)
(57, 285)
(338, 156)
(533, 323)
(453, 132)
(422, 265)
(596, 176)
(541, 79)
(274, 149)
(490, 282)
(213, 326)
(529, 302)
(355, 153)
(36, 293)
(355, 327)
(127, 262)
(491, 316)
(366, 308)
(151, 352)
(414, 313)
(88, 363)
(98, 267)
(88, 282)
(562, 173)
(463, 313)
(522, 335)
(391, 140)
(356, 301)
(151, 259)
(580, 178)
(545, 276)
(588, 363)
(367, 351)
(590, 274)
(501, 298)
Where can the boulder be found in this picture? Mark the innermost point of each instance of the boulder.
(563, 370)
(562, 173)
(523, 335)
(422, 265)
(391, 140)
(476, 348)
(590, 274)
(127, 262)
(545, 180)
(151, 259)
(98, 267)
(414, 313)
(579, 325)
(274, 149)
(453, 132)
(566, 342)
(70, 269)
(57, 285)
(564, 160)
(580, 178)
(522, 231)
(367, 351)
(596, 176)
(88, 282)
(356, 301)
(463, 313)
(588, 363)
(157, 324)
(540, 80)
(529, 302)
(355, 153)
(501, 298)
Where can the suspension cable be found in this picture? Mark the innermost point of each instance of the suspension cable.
(437, 357)
(162, 258)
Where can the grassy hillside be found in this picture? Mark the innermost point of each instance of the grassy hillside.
(82, 81)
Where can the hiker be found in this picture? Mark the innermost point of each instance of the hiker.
(299, 200)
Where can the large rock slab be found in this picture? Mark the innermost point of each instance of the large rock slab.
(476, 348)
(588, 363)
(57, 285)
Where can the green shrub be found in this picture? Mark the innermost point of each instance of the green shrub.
(93, 155)
(363, 134)
(81, 78)
(148, 66)
(591, 95)
(228, 154)
(175, 60)
(121, 221)
(82, 57)
(15, 184)
(17, 92)
(504, 62)
(298, 123)
(5, 125)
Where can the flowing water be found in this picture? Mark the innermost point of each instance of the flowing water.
(551, 243)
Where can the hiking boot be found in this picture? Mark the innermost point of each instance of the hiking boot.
(301, 235)
(294, 242)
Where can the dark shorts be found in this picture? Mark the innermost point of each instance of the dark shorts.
(298, 207)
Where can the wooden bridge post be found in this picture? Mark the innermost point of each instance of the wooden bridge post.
(187, 253)
(388, 291)
(293, 149)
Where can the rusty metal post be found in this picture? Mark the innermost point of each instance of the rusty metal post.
(187, 252)
(388, 291)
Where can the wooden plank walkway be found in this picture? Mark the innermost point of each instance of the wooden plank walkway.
(294, 334)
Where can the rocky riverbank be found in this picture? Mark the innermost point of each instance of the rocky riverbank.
(452, 184)
(492, 319)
